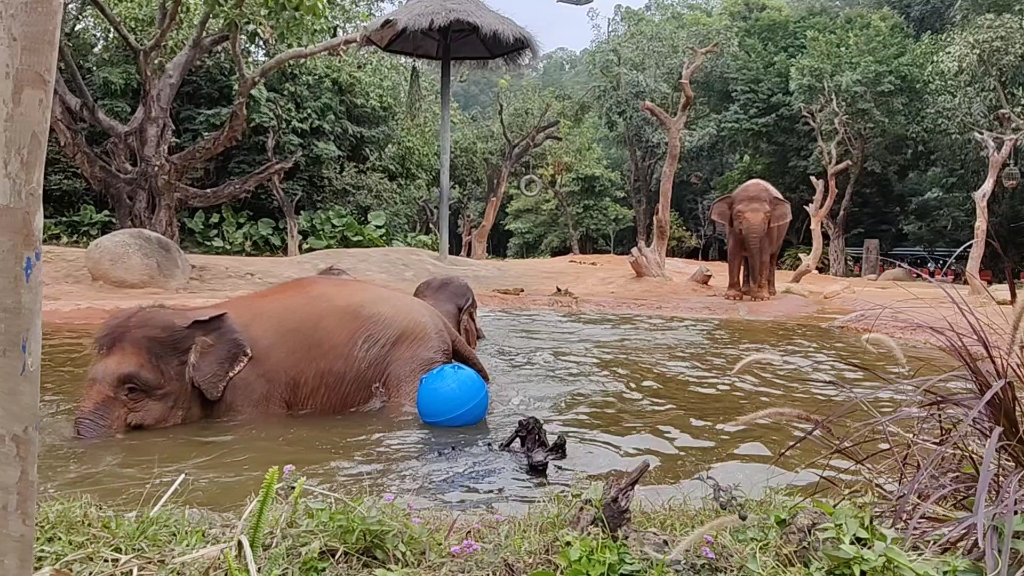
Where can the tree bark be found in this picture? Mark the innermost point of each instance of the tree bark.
(649, 261)
(145, 181)
(837, 228)
(997, 156)
(29, 37)
(466, 230)
(497, 175)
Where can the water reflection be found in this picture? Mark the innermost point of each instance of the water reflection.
(621, 388)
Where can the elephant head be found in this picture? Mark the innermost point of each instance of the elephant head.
(752, 210)
(454, 299)
(157, 367)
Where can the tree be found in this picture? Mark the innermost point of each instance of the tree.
(979, 72)
(135, 161)
(30, 30)
(287, 204)
(821, 205)
(649, 260)
(513, 151)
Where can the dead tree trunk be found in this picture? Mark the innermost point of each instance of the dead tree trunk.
(466, 229)
(615, 514)
(498, 174)
(997, 156)
(287, 206)
(821, 205)
(836, 228)
(649, 260)
(145, 180)
(641, 173)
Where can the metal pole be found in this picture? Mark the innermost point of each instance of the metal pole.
(29, 33)
(446, 141)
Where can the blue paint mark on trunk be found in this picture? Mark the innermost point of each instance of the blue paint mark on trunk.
(31, 264)
(24, 354)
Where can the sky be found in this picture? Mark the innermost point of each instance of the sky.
(557, 25)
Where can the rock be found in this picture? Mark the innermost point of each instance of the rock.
(794, 289)
(837, 290)
(798, 534)
(137, 258)
(701, 276)
(896, 275)
(871, 277)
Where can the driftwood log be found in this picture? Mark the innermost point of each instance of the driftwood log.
(615, 514)
(533, 441)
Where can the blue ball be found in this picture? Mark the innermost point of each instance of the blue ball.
(452, 395)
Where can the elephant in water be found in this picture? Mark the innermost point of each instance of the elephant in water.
(318, 344)
(454, 299)
(756, 217)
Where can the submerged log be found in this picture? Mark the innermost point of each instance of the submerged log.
(615, 514)
(533, 441)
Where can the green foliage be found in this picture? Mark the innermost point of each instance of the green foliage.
(78, 229)
(680, 240)
(589, 556)
(230, 232)
(336, 228)
(258, 523)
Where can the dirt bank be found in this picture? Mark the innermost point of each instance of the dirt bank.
(599, 283)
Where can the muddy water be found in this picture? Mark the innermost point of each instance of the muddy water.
(620, 388)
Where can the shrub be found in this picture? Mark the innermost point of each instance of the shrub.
(78, 229)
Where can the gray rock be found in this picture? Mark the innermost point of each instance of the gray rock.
(896, 275)
(137, 258)
(798, 535)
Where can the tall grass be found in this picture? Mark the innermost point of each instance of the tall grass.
(947, 462)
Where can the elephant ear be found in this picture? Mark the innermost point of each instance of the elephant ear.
(781, 212)
(218, 353)
(721, 210)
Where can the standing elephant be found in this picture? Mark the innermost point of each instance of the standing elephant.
(454, 299)
(318, 344)
(756, 217)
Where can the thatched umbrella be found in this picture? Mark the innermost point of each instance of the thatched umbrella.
(447, 30)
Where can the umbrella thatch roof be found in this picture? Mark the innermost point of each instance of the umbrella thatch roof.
(478, 33)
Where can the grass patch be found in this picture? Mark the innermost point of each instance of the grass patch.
(290, 528)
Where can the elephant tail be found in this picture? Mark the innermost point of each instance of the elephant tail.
(462, 353)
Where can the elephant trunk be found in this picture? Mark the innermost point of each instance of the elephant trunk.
(752, 235)
(93, 423)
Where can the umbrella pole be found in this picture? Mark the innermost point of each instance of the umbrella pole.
(446, 141)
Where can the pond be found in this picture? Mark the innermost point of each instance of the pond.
(621, 388)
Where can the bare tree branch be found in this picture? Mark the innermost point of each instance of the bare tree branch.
(166, 18)
(83, 105)
(118, 27)
(684, 82)
(233, 190)
(231, 132)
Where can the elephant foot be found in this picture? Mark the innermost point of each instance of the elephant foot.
(746, 290)
(759, 296)
(771, 292)
(733, 294)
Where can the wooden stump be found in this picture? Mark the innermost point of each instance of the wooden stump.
(533, 441)
(701, 276)
(616, 499)
(645, 262)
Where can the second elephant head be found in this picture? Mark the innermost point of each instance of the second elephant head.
(454, 299)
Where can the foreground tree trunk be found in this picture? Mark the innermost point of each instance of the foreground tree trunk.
(29, 35)
(997, 156)
(143, 178)
(649, 260)
(287, 206)
(497, 175)
(821, 205)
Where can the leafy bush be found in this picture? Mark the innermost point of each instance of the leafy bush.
(336, 228)
(78, 229)
(230, 232)
(680, 240)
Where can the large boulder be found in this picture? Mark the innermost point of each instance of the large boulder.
(137, 258)
(896, 275)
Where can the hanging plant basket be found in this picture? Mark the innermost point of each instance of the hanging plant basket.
(1011, 177)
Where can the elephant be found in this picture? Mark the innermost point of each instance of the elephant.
(318, 344)
(454, 299)
(756, 217)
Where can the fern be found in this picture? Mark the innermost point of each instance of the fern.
(233, 569)
(263, 503)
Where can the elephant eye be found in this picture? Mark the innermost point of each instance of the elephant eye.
(132, 392)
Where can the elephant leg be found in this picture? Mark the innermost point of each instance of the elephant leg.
(759, 285)
(734, 291)
(772, 266)
(746, 277)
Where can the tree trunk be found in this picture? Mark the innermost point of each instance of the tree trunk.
(650, 260)
(837, 252)
(996, 158)
(29, 36)
(810, 263)
(287, 206)
(497, 179)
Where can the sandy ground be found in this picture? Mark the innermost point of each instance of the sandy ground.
(598, 283)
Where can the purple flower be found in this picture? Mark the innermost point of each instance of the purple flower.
(707, 553)
(476, 527)
(288, 469)
(456, 550)
(416, 521)
(709, 539)
(411, 506)
(499, 518)
(467, 547)
(389, 497)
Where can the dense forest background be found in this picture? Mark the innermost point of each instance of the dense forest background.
(902, 87)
